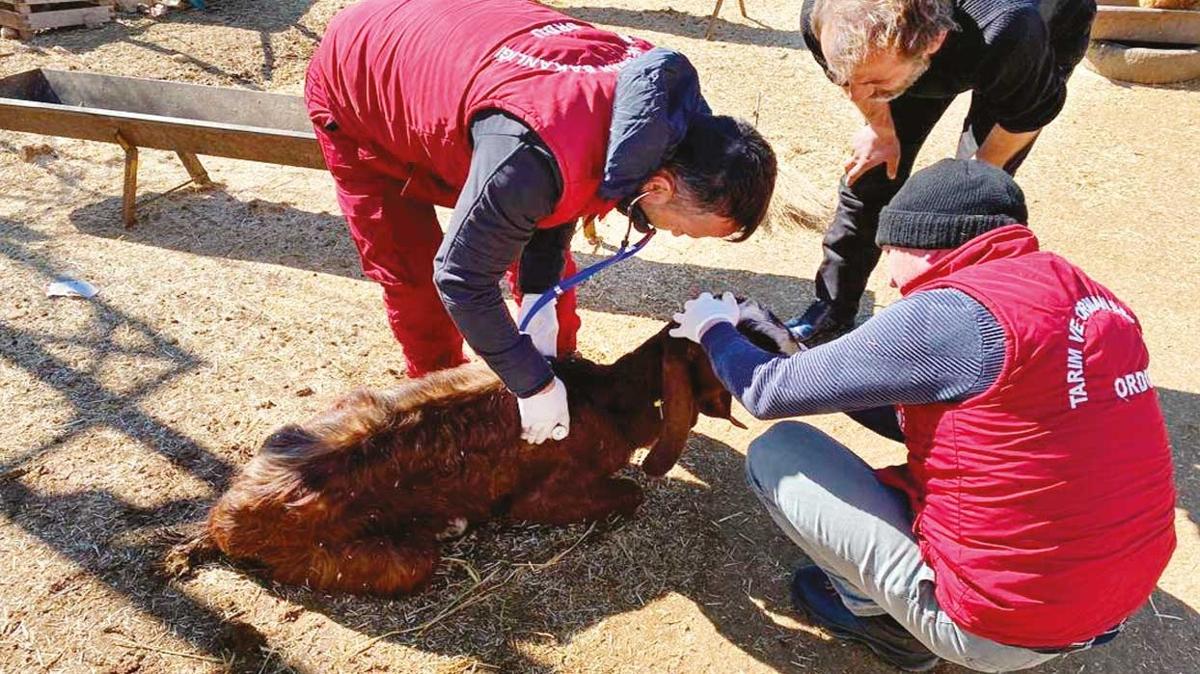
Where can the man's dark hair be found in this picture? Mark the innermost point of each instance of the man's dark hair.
(727, 168)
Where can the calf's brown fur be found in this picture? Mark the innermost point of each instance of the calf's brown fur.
(354, 499)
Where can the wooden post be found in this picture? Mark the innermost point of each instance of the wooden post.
(712, 20)
(589, 231)
(194, 168)
(129, 198)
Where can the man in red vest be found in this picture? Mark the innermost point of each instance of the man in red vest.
(1036, 510)
(522, 120)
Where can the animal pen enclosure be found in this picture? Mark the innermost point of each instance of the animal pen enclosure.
(22, 18)
(188, 119)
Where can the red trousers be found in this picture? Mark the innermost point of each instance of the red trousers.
(397, 238)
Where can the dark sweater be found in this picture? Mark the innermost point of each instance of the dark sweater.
(1016, 55)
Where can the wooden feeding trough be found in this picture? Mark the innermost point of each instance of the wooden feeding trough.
(188, 119)
(1145, 45)
(24, 17)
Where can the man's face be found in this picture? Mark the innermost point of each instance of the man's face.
(906, 264)
(668, 208)
(684, 220)
(885, 73)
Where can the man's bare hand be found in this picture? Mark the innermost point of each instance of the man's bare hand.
(869, 148)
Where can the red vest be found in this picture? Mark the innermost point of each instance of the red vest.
(1045, 505)
(404, 78)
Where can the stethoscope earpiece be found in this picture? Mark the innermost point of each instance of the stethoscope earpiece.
(637, 216)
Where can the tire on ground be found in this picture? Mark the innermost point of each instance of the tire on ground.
(1144, 65)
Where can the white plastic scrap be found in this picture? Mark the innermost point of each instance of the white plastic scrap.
(69, 287)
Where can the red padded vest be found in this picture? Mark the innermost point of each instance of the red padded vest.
(1045, 505)
(405, 80)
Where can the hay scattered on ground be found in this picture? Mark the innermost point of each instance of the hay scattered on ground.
(232, 311)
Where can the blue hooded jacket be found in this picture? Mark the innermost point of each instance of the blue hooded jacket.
(657, 96)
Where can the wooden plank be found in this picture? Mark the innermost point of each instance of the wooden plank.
(202, 120)
(1137, 24)
(16, 9)
(53, 2)
(195, 102)
(288, 148)
(13, 20)
(50, 5)
(129, 196)
(70, 17)
(194, 168)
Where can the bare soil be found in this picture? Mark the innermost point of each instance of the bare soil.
(231, 311)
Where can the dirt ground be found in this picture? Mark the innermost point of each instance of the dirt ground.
(229, 312)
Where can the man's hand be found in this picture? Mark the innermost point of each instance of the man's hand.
(543, 412)
(702, 313)
(543, 327)
(870, 147)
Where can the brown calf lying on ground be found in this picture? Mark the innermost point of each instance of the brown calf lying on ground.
(355, 500)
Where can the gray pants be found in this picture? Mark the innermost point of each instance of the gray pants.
(828, 501)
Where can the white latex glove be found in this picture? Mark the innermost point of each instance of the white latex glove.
(702, 313)
(543, 329)
(544, 412)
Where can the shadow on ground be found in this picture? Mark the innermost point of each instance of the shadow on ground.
(674, 22)
(214, 224)
(1182, 410)
(106, 537)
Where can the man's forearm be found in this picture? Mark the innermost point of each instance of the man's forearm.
(892, 359)
(491, 224)
(1002, 145)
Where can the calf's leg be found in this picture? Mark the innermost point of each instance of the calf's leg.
(371, 565)
(565, 501)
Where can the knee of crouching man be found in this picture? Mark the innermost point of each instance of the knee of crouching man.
(765, 451)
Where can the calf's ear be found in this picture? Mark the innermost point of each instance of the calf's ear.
(679, 410)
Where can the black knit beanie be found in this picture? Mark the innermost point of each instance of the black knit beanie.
(950, 203)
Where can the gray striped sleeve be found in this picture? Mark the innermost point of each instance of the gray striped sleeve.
(934, 346)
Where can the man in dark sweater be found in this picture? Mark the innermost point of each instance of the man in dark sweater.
(902, 62)
(1035, 512)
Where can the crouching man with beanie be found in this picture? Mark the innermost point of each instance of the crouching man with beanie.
(1035, 512)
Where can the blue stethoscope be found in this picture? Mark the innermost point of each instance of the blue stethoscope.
(638, 221)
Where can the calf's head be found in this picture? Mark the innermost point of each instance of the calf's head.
(690, 387)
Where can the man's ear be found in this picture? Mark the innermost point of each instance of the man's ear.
(936, 44)
(659, 188)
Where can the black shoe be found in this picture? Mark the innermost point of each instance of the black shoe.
(821, 322)
(813, 595)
